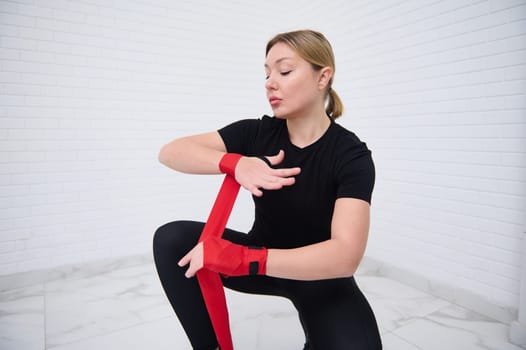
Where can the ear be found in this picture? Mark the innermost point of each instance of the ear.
(325, 76)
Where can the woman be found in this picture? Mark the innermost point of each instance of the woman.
(311, 181)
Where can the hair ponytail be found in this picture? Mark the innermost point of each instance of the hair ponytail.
(335, 105)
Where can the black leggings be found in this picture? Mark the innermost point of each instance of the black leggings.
(334, 313)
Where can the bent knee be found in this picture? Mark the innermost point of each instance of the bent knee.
(177, 236)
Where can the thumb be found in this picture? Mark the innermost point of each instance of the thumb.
(278, 158)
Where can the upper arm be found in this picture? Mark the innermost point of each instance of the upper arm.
(350, 225)
(210, 140)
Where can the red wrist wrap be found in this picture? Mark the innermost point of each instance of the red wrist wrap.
(227, 164)
(232, 259)
(210, 281)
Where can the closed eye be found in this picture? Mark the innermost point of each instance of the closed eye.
(281, 73)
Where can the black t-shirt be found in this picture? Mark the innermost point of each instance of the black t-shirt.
(337, 165)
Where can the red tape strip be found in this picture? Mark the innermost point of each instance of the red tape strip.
(210, 282)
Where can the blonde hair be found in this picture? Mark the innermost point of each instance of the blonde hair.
(313, 47)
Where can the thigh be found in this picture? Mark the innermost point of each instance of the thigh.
(171, 242)
(336, 315)
(179, 237)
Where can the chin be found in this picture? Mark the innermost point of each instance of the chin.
(280, 115)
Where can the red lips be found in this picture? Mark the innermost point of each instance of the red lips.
(274, 101)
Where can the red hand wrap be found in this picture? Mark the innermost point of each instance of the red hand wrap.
(231, 259)
(227, 164)
(210, 281)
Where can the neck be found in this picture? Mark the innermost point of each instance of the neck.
(306, 130)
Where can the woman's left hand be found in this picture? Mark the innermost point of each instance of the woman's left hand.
(254, 174)
(195, 258)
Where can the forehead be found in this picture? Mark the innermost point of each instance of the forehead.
(279, 53)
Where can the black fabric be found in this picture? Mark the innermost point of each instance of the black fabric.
(253, 268)
(333, 313)
(337, 165)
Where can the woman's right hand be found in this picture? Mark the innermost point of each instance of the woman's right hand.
(254, 174)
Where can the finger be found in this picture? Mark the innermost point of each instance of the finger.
(287, 172)
(190, 272)
(255, 191)
(266, 160)
(288, 181)
(185, 259)
(278, 158)
(278, 183)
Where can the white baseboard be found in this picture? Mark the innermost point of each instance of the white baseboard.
(451, 293)
(518, 333)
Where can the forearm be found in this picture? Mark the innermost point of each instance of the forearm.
(324, 260)
(188, 155)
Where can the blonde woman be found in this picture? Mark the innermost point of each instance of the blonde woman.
(312, 182)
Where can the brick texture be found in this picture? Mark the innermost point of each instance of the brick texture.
(90, 90)
(437, 89)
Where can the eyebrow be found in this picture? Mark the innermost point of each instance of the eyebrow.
(279, 60)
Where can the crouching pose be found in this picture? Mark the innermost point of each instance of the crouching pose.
(311, 181)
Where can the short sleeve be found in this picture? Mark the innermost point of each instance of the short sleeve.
(238, 135)
(356, 175)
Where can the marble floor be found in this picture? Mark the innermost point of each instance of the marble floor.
(120, 305)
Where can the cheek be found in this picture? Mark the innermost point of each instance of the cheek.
(305, 92)
(300, 88)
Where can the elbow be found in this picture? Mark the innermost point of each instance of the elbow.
(350, 262)
(168, 154)
(346, 268)
(163, 155)
(351, 267)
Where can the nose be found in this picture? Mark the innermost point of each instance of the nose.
(270, 83)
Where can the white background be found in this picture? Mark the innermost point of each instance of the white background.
(90, 91)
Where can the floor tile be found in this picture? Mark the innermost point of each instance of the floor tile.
(455, 328)
(391, 341)
(122, 306)
(22, 318)
(280, 332)
(396, 304)
(79, 308)
(164, 334)
(263, 322)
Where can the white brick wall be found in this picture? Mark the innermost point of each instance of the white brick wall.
(437, 88)
(90, 90)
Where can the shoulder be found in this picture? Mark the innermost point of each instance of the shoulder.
(351, 153)
(354, 166)
(265, 122)
(244, 135)
(348, 143)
